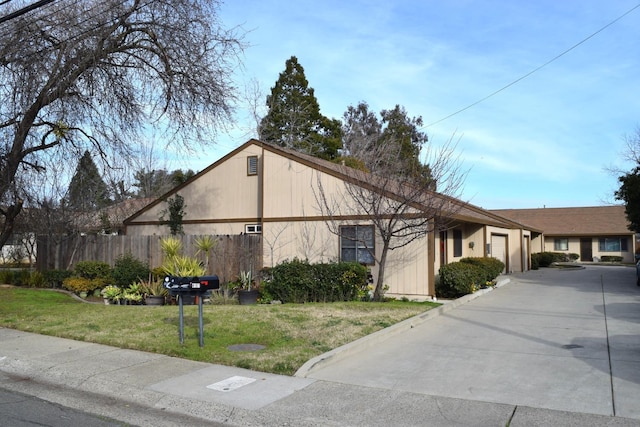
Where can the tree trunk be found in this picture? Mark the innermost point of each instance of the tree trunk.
(378, 293)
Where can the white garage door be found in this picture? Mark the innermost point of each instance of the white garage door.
(499, 248)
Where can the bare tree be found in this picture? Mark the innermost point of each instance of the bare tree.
(401, 208)
(312, 244)
(632, 147)
(95, 74)
(273, 240)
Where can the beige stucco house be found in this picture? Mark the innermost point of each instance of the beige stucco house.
(275, 192)
(591, 232)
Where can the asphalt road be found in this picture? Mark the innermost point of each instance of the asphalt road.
(21, 410)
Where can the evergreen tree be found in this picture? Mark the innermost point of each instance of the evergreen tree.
(294, 119)
(87, 190)
(394, 134)
(403, 132)
(629, 193)
(157, 182)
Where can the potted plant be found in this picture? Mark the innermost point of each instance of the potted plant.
(133, 294)
(247, 293)
(112, 294)
(154, 292)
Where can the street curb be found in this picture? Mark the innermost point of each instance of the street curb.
(375, 338)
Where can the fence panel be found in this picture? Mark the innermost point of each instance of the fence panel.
(231, 254)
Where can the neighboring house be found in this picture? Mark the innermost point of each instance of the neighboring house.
(266, 189)
(108, 220)
(591, 232)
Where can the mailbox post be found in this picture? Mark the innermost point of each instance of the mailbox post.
(192, 286)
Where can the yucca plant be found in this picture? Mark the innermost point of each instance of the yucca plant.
(182, 266)
(206, 244)
(246, 279)
(171, 246)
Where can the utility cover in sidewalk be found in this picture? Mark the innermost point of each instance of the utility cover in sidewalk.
(231, 384)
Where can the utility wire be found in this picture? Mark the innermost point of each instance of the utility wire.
(24, 10)
(535, 69)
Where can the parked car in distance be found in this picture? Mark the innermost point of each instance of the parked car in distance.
(638, 273)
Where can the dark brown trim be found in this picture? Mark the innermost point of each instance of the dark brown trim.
(340, 172)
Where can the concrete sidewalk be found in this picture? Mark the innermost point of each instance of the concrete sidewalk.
(549, 348)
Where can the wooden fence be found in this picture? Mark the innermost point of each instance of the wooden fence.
(231, 255)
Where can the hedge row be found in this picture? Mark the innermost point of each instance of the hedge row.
(545, 259)
(86, 276)
(300, 282)
(464, 277)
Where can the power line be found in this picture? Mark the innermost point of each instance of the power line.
(24, 10)
(535, 69)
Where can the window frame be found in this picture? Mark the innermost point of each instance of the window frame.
(363, 254)
(252, 165)
(561, 244)
(256, 230)
(605, 242)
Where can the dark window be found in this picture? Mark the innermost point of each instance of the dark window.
(457, 243)
(253, 228)
(561, 244)
(357, 244)
(252, 165)
(613, 244)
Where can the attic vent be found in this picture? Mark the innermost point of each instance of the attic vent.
(252, 165)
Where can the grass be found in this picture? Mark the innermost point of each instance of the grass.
(291, 333)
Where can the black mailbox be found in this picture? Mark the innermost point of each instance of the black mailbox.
(191, 285)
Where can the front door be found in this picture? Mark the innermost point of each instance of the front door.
(443, 248)
(586, 250)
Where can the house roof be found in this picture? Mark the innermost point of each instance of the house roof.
(114, 214)
(462, 211)
(579, 221)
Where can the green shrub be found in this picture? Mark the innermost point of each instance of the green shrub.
(492, 267)
(21, 278)
(37, 280)
(127, 270)
(299, 282)
(6, 276)
(92, 270)
(459, 278)
(54, 278)
(545, 259)
(535, 261)
(611, 258)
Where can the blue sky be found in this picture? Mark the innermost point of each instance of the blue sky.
(545, 141)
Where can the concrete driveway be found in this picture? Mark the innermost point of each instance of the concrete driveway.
(556, 339)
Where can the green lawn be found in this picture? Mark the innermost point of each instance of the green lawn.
(291, 334)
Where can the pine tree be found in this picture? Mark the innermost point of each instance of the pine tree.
(294, 119)
(87, 190)
(397, 138)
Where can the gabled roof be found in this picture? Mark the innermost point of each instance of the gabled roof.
(115, 214)
(462, 211)
(581, 221)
